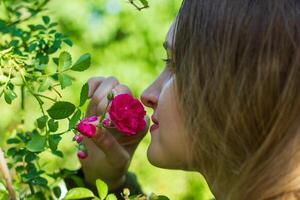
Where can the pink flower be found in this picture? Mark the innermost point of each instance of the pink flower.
(78, 138)
(87, 126)
(82, 154)
(127, 114)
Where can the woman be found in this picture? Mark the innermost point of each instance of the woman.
(227, 103)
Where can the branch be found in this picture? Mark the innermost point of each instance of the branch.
(38, 9)
(5, 171)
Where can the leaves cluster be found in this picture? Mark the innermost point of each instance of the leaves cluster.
(33, 62)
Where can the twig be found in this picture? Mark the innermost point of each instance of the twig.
(40, 8)
(6, 174)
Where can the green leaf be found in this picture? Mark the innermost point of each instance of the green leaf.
(74, 119)
(102, 188)
(19, 169)
(39, 181)
(58, 153)
(82, 63)
(42, 121)
(111, 197)
(64, 80)
(61, 110)
(9, 95)
(11, 151)
(53, 24)
(162, 197)
(32, 47)
(52, 125)
(13, 141)
(46, 19)
(54, 47)
(53, 141)
(40, 27)
(145, 3)
(68, 42)
(65, 60)
(22, 137)
(37, 142)
(79, 193)
(84, 94)
(158, 197)
(57, 191)
(45, 85)
(56, 61)
(40, 66)
(30, 157)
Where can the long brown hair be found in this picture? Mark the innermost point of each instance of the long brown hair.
(237, 66)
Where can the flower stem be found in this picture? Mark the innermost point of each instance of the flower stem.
(40, 95)
(33, 94)
(22, 104)
(103, 115)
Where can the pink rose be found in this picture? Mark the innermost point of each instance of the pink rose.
(88, 126)
(127, 114)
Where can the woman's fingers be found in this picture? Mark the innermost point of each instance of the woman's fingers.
(99, 87)
(113, 151)
(121, 89)
(103, 89)
(93, 83)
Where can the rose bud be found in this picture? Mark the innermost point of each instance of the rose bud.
(106, 122)
(78, 138)
(82, 154)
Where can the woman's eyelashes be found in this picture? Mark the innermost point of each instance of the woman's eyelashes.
(168, 62)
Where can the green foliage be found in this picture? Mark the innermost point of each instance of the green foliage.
(102, 188)
(29, 46)
(84, 94)
(61, 110)
(37, 142)
(79, 193)
(74, 119)
(82, 63)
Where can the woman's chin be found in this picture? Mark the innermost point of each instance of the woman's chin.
(153, 157)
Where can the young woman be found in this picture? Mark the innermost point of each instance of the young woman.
(227, 103)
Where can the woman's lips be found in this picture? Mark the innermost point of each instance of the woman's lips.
(154, 127)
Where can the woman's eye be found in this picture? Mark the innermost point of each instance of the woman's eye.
(168, 62)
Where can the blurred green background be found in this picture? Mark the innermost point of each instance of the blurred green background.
(125, 43)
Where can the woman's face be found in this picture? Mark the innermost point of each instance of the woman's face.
(169, 144)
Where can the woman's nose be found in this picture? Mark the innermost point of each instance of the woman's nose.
(150, 97)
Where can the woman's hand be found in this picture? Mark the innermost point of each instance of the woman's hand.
(108, 157)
